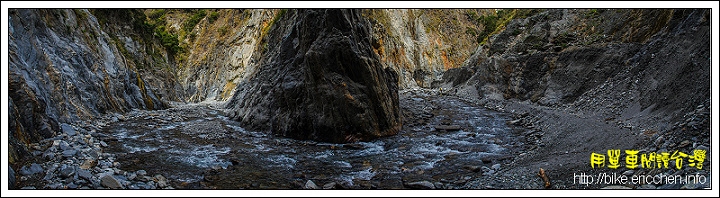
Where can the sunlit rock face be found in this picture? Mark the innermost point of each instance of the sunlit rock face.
(64, 67)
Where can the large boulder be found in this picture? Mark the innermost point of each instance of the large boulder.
(319, 80)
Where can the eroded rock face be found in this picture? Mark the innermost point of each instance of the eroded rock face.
(320, 80)
(64, 67)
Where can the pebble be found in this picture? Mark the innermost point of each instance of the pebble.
(161, 181)
(67, 172)
(329, 186)
(310, 185)
(684, 143)
(150, 185)
(49, 176)
(485, 169)
(49, 155)
(422, 185)
(68, 129)
(31, 170)
(28, 188)
(64, 146)
(69, 153)
(141, 173)
(132, 176)
(109, 181)
(88, 164)
(496, 166)
(84, 174)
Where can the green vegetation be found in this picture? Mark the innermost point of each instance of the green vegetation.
(194, 20)
(277, 17)
(223, 30)
(495, 22)
(471, 31)
(213, 16)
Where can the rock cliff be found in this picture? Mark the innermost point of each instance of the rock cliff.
(319, 79)
(66, 66)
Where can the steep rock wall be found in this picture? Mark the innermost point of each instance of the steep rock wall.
(65, 67)
(636, 66)
(421, 44)
(319, 79)
(221, 54)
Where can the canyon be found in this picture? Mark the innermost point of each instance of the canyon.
(350, 98)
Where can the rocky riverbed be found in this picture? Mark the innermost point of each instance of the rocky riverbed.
(445, 143)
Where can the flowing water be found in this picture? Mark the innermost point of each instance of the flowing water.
(444, 140)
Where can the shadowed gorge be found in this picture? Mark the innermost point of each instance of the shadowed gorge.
(353, 98)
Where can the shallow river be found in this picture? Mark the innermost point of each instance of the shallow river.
(444, 140)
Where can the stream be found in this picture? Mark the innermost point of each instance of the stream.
(444, 143)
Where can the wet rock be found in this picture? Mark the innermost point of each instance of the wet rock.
(333, 89)
(72, 186)
(162, 182)
(132, 176)
(69, 153)
(67, 129)
(488, 173)
(496, 166)
(49, 176)
(422, 185)
(49, 155)
(88, 164)
(64, 146)
(67, 172)
(485, 169)
(310, 185)
(151, 185)
(31, 169)
(329, 186)
(141, 173)
(84, 174)
(28, 188)
(146, 178)
(109, 181)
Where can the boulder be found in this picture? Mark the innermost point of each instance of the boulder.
(109, 181)
(321, 81)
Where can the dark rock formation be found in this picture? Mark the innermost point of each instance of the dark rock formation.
(319, 79)
(638, 65)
